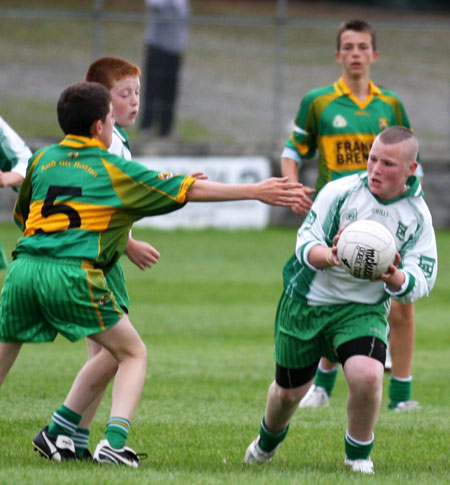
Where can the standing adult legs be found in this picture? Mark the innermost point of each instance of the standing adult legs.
(169, 91)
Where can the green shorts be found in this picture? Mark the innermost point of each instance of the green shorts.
(45, 296)
(305, 333)
(115, 280)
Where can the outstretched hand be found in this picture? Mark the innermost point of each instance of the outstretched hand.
(302, 208)
(279, 191)
(199, 176)
(141, 253)
(10, 179)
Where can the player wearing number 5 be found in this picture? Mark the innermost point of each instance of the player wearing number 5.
(76, 207)
(324, 311)
(341, 121)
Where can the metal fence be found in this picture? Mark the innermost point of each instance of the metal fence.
(243, 75)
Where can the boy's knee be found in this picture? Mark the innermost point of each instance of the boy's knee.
(142, 351)
(372, 380)
(288, 397)
(364, 375)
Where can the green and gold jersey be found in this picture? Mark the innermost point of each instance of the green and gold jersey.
(342, 128)
(80, 201)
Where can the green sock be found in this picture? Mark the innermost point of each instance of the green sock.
(357, 450)
(117, 431)
(326, 379)
(81, 439)
(64, 421)
(269, 440)
(399, 390)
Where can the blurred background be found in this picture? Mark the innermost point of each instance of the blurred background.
(245, 69)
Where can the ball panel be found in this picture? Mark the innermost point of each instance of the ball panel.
(366, 249)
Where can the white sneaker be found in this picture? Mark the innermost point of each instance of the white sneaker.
(388, 362)
(316, 397)
(407, 406)
(362, 466)
(255, 454)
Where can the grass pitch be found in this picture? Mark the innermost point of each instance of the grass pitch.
(206, 313)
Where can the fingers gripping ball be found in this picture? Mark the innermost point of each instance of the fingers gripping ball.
(366, 249)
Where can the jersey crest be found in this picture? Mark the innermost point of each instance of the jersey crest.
(401, 231)
(426, 264)
(383, 123)
(310, 219)
(165, 175)
(339, 121)
(351, 215)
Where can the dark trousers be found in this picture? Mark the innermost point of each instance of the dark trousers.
(160, 90)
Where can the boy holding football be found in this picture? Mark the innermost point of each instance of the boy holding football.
(76, 207)
(324, 311)
(340, 122)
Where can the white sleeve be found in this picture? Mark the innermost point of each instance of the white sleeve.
(290, 153)
(419, 261)
(319, 227)
(21, 166)
(15, 148)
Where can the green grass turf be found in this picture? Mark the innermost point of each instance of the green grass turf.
(206, 312)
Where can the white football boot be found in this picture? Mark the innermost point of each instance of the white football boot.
(407, 406)
(255, 454)
(361, 466)
(316, 397)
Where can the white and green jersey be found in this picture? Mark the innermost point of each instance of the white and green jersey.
(120, 143)
(344, 201)
(14, 153)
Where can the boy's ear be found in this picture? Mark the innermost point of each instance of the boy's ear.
(413, 167)
(96, 128)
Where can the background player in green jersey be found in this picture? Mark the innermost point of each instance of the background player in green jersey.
(76, 207)
(324, 310)
(341, 121)
(122, 78)
(14, 156)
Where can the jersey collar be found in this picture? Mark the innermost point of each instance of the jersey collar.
(76, 141)
(122, 134)
(342, 88)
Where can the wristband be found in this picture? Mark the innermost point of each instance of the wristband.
(327, 257)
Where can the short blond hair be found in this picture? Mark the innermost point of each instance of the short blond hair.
(400, 134)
